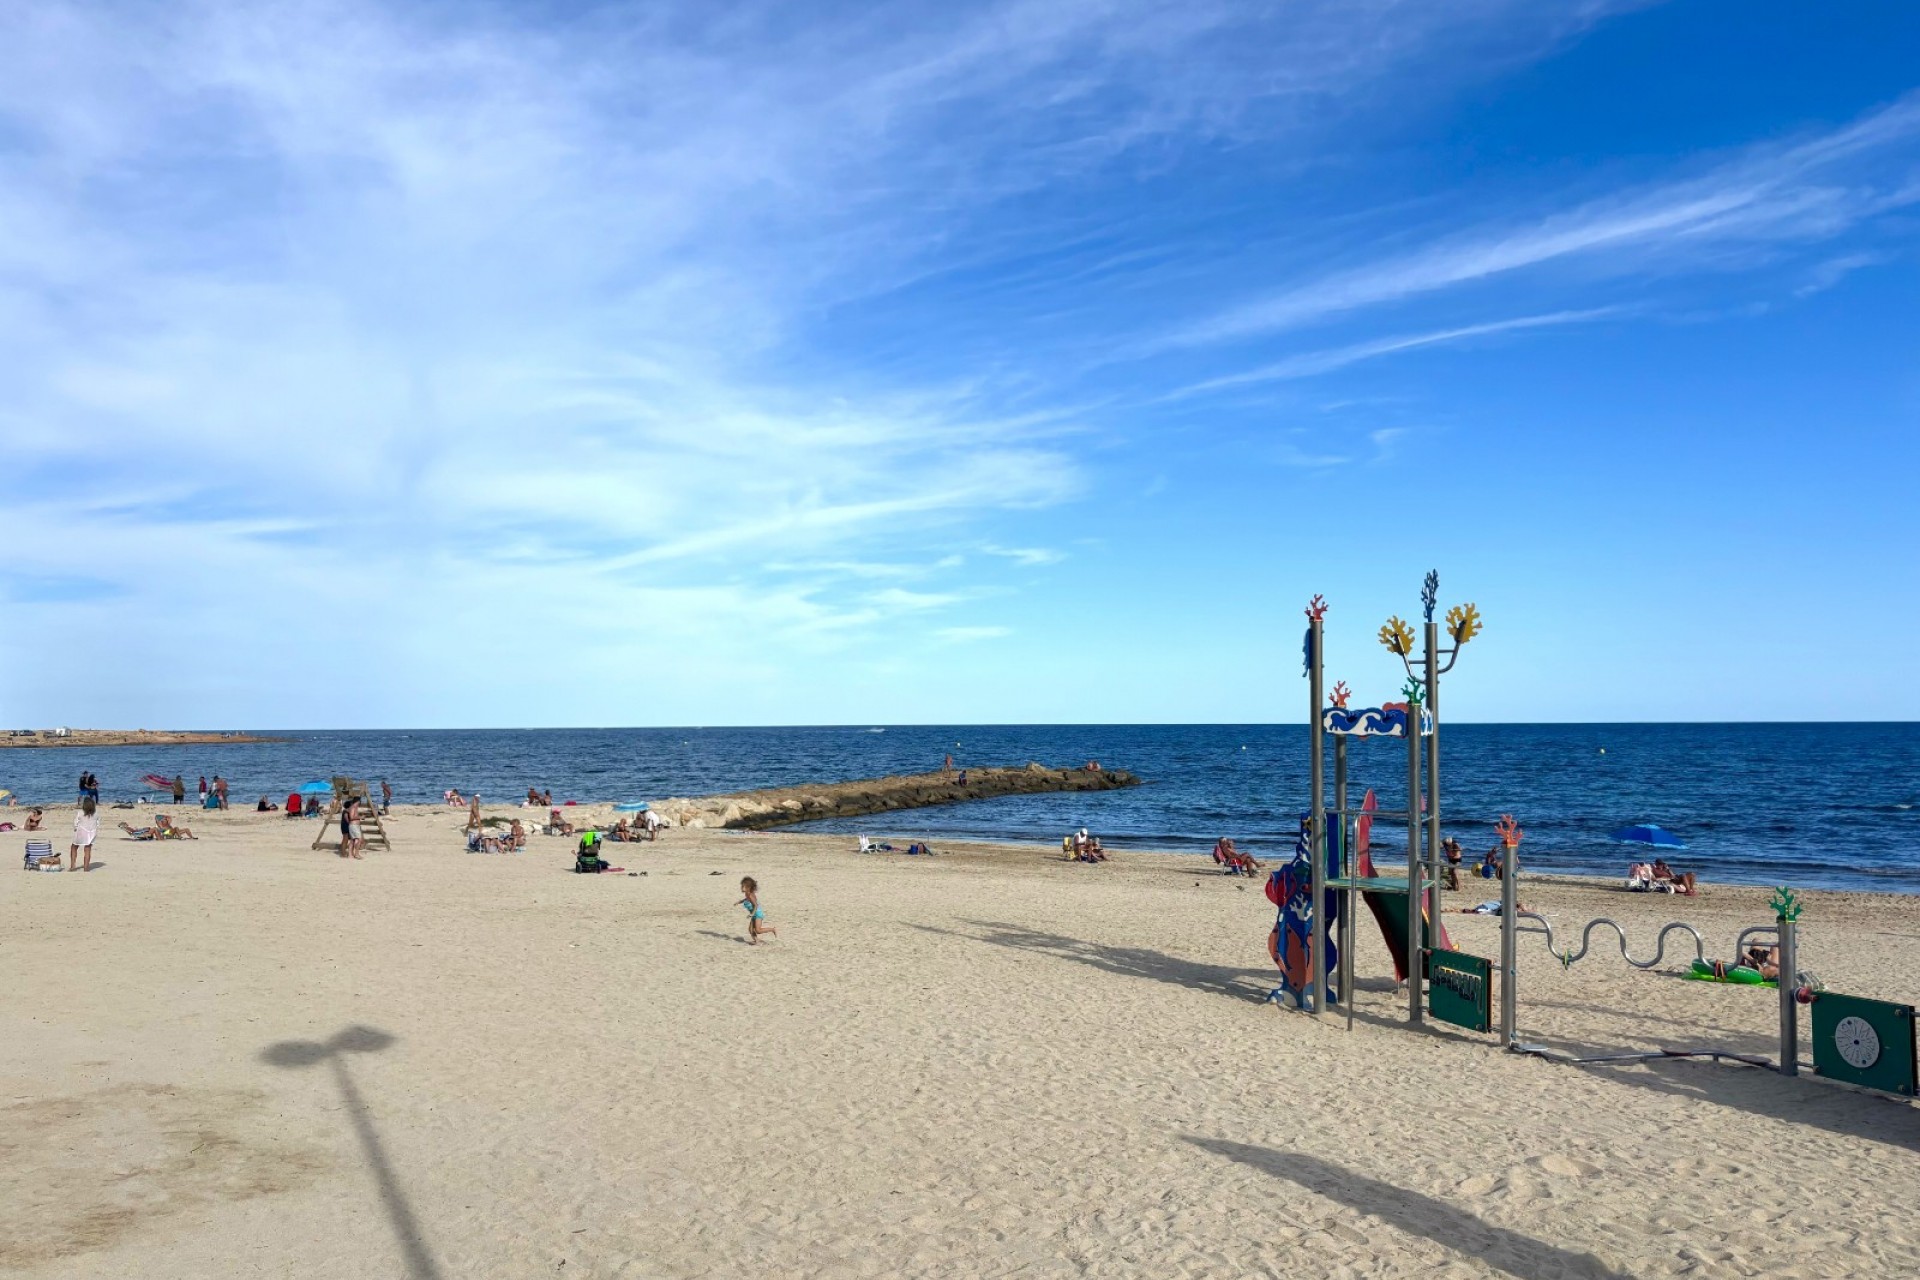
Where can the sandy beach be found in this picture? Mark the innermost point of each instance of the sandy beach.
(238, 1057)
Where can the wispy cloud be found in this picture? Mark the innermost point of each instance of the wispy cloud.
(1309, 364)
(1030, 557)
(1796, 192)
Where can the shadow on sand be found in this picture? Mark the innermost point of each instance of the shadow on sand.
(1416, 1214)
(308, 1053)
(1134, 962)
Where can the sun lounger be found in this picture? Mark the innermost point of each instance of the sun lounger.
(41, 857)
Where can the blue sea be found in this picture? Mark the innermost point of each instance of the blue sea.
(1813, 805)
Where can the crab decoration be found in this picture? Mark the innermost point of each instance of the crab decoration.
(1397, 636)
(1316, 609)
(1463, 623)
(1340, 694)
(1509, 831)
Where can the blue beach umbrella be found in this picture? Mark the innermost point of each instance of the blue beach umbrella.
(315, 788)
(1650, 835)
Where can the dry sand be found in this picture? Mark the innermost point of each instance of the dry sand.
(237, 1057)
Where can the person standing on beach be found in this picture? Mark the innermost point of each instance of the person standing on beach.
(386, 796)
(220, 790)
(350, 839)
(179, 789)
(203, 791)
(473, 813)
(86, 825)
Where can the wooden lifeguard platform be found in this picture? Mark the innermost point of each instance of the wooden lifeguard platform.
(345, 789)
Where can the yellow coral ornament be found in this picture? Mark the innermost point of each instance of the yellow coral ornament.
(1463, 623)
(1397, 636)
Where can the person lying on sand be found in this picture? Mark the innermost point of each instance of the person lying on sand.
(141, 833)
(1492, 908)
(1681, 880)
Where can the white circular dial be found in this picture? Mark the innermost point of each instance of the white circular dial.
(1857, 1041)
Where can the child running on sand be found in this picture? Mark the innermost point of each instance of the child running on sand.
(756, 918)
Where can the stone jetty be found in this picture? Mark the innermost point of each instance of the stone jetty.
(126, 738)
(777, 806)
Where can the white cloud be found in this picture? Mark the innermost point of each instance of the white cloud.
(1030, 557)
(1310, 364)
(1796, 192)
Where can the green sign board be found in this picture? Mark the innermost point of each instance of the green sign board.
(1460, 989)
(1865, 1042)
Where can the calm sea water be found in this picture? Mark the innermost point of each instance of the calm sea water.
(1814, 805)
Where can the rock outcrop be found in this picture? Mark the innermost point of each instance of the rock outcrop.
(778, 806)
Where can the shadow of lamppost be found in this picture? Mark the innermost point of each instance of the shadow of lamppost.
(308, 1053)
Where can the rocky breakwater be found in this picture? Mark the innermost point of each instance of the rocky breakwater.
(777, 806)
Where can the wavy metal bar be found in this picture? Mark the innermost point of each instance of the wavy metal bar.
(1571, 958)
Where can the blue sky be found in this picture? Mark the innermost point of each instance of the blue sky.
(465, 365)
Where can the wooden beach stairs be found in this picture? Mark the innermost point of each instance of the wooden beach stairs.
(371, 827)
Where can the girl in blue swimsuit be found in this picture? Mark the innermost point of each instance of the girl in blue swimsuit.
(756, 918)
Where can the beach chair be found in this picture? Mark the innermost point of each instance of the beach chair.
(41, 857)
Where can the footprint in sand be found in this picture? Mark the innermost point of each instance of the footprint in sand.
(1565, 1166)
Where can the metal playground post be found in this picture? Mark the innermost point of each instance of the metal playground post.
(1317, 819)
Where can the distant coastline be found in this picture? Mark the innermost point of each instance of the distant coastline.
(24, 738)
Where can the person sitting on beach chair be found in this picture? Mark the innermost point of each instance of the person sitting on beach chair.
(170, 830)
(1675, 880)
(1231, 860)
(1640, 879)
(483, 841)
(141, 833)
(557, 825)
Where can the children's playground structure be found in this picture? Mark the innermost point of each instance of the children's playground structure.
(1870, 1043)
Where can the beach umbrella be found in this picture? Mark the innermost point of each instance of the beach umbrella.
(1649, 835)
(315, 788)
